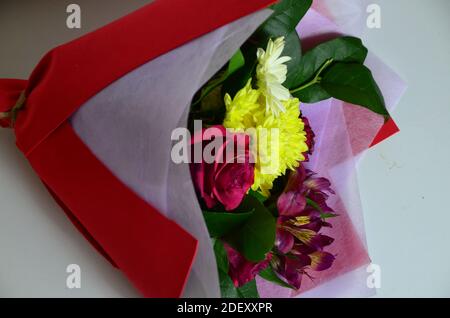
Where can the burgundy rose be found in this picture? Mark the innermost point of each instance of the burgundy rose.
(228, 174)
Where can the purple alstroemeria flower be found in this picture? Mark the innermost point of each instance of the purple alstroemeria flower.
(299, 245)
(321, 261)
(295, 265)
(303, 185)
(292, 201)
(284, 241)
(292, 268)
(241, 270)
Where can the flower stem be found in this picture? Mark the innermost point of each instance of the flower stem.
(316, 80)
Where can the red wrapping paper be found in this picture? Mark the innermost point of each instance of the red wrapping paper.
(124, 228)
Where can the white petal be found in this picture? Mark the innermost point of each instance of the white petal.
(261, 54)
(283, 60)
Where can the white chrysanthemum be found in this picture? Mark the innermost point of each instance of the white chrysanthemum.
(271, 73)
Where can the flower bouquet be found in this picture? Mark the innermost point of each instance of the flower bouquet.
(205, 150)
(264, 208)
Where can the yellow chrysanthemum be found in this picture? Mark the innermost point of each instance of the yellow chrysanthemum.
(277, 141)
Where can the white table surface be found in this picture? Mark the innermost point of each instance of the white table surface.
(403, 181)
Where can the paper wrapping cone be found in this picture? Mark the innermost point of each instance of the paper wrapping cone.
(129, 219)
(134, 140)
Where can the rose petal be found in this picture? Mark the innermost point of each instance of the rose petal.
(232, 183)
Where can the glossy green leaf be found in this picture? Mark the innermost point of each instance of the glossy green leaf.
(293, 49)
(257, 236)
(270, 275)
(222, 223)
(343, 49)
(312, 94)
(354, 83)
(285, 18)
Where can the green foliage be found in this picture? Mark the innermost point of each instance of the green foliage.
(269, 275)
(227, 288)
(256, 237)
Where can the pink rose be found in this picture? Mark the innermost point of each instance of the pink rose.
(225, 175)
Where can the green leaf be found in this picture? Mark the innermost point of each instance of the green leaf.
(354, 83)
(343, 49)
(270, 275)
(293, 49)
(221, 256)
(257, 195)
(314, 205)
(227, 288)
(323, 214)
(239, 79)
(220, 224)
(257, 236)
(236, 62)
(285, 18)
(249, 290)
(312, 94)
(328, 215)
